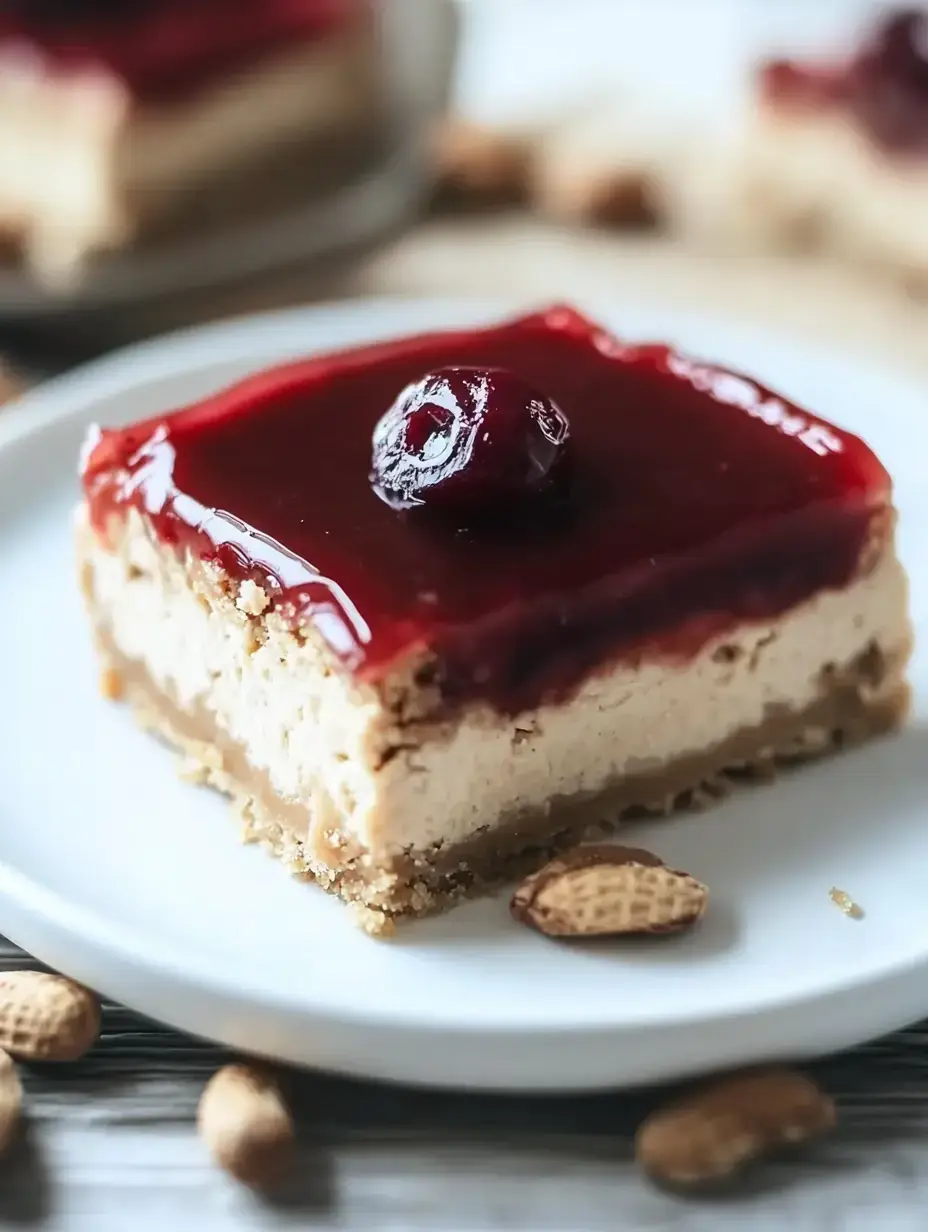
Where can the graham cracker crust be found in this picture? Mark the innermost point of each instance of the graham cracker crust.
(865, 698)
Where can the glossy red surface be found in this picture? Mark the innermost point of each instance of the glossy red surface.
(698, 500)
(470, 440)
(161, 48)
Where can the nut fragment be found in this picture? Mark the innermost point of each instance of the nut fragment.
(719, 1129)
(480, 162)
(11, 1098)
(112, 686)
(12, 386)
(604, 890)
(45, 1017)
(246, 1124)
(605, 196)
(845, 903)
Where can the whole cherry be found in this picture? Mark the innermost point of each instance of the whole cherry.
(467, 440)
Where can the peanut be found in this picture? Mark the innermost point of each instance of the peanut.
(720, 1128)
(46, 1017)
(482, 163)
(607, 891)
(12, 386)
(11, 1098)
(246, 1124)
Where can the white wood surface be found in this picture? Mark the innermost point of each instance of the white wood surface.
(111, 1147)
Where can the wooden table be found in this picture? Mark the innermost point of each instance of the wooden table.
(111, 1147)
(111, 1144)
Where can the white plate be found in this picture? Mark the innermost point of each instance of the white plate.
(117, 873)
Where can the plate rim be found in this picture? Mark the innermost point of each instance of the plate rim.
(70, 395)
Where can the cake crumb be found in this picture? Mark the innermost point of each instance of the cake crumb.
(252, 599)
(242, 810)
(374, 923)
(191, 770)
(112, 686)
(845, 903)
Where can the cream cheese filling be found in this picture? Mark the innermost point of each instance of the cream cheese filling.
(321, 739)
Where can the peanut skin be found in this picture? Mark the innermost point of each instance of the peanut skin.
(723, 1126)
(246, 1124)
(11, 1098)
(45, 1017)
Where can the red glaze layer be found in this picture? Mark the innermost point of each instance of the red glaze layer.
(160, 49)
(699, 501)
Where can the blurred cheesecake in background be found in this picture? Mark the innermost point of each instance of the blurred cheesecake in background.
(839, 149)
(121, 120)
(832, 155)
(823, 151)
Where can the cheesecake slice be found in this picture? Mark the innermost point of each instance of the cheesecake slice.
(120, 122)
(833, 156)
(430, 609)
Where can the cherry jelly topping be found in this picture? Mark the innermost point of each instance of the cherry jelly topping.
(899, 47)
(698, 500)
(468, 440)
(162, 48)
(884, 85)
(76, 11)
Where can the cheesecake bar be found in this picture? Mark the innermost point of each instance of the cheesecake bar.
(432, 608)
(120, 121)
(833, 155)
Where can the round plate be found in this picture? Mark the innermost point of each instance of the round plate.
(114, 871)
